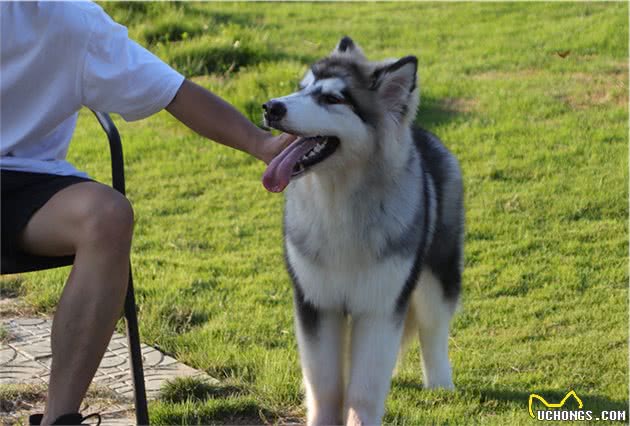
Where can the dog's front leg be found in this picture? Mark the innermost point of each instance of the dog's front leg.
(320, 335)
(375, 344)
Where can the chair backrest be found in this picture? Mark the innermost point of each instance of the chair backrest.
(115, 149)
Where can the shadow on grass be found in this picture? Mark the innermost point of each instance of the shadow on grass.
(237, 411)
(171, 31)
(591, 402)
(196, 401)
(129, 12)
(182, 319)
(215, 17)
(505, 399)
(202, 59)
(434, 112)
(195, 389)
(178, 30)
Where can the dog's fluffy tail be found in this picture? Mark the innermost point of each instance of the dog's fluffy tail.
(427, 309)
(410, 331)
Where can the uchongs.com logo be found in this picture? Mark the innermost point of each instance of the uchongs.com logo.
(552, 411)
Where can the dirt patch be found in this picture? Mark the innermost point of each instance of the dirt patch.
(578, 90)
(599, 89)
(15, 307)
(18, 401)
(461, 105)
(507, 75)
(10, 286)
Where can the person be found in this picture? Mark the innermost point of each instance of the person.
(55, 58)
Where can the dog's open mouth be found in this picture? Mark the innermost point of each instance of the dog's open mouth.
(324, 146)
(296, 159)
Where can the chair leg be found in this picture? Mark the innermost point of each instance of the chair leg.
(133, 337)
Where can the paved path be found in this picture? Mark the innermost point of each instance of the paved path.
(25, 359)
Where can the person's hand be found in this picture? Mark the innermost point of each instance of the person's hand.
(271, 146)
(217, 120)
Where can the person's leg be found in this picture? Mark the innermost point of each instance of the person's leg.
(94, 222)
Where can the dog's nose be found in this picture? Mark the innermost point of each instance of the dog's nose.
(274, 110)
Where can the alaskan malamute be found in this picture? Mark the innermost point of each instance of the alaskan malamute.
(373, 231)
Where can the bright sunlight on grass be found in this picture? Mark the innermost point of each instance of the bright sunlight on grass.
(543, 144)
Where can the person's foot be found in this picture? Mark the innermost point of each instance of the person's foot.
(66, 419)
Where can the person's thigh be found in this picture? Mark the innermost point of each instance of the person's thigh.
(75, 214)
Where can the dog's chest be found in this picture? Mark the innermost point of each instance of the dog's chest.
(337, 255)
(354, 287)
(336, 235)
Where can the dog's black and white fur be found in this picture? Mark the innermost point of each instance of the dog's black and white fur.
(373, 232)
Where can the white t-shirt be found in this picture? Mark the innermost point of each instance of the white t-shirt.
(58, 56)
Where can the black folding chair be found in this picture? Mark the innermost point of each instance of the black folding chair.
(28, 263)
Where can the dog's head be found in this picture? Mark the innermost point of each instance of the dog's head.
(346, 109)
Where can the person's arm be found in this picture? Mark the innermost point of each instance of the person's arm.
(213, 118)
(118, 75)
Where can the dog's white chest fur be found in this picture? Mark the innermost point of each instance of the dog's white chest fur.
(336, 252)
(357, 288)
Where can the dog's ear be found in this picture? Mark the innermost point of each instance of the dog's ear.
(395, 82)
(345, 44)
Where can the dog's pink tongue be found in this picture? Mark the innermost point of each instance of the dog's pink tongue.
(278, 173)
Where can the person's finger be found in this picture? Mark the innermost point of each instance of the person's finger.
(286, 139)
(273, 146)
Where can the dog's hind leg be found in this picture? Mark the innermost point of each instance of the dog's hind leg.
(433, 313)
(321, 336)
(374, 347)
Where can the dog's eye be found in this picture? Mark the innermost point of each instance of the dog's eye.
(332, 99)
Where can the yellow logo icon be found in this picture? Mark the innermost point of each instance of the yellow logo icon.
(550, 405)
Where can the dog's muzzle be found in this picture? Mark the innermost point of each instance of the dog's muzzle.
(274, 111)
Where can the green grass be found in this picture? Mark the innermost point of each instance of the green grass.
(543, 143)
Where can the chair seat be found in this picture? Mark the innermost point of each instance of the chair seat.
(28, 263)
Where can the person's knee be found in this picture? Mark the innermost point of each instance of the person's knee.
(107, 220)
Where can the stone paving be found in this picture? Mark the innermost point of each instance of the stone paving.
(25, 359)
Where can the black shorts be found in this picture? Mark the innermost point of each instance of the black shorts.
(23, 193)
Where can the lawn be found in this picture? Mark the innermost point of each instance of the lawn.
(531, 97)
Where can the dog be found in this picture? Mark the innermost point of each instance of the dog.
(373, 231)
